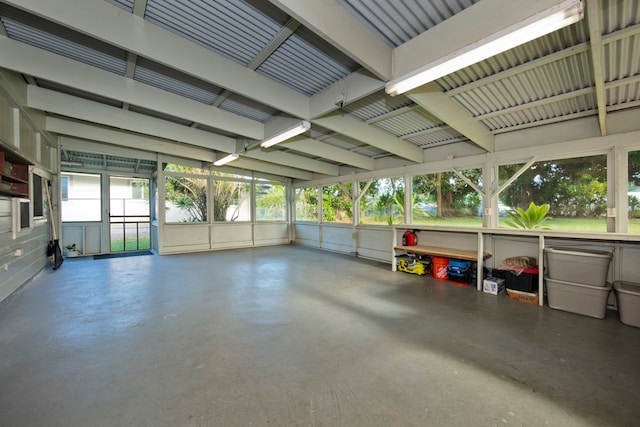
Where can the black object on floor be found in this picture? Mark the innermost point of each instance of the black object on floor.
(122, 254)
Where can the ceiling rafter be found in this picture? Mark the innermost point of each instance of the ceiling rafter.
(544, 60)
(133, 34)
(431, 98)
(358, 130)
(424, 132)
(537, 103)
(28, 59)
(597, 59)
(329, 19)
(105, 115)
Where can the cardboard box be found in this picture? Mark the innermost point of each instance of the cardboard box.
(528, 297)
(493, 286)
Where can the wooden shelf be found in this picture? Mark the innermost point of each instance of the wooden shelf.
(14, 174)
(467, 255)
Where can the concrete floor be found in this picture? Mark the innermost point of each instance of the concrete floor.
(291, 336)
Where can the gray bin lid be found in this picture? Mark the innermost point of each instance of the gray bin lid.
(579, 252)
(627, 287)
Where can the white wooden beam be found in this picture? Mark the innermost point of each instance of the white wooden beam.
(432, 99)
(328, 151)
(126, 139)
(355, 86)
(293, 160)
(134, 34)
(95, 112)
(157, 145)
(40, 63)
(90, 111)
(257, 165)
(354, 128)
(594, 17)
(333, 22)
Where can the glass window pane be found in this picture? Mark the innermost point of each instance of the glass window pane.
(575, 190)
(633, 192)
(336, 203)
(383, 202)
(271, 202)
(231, 201)
(185, 199)
(444, 198)
(307, 204)
(83, 201)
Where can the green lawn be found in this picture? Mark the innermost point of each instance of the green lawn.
(143, 243)
(587, 225)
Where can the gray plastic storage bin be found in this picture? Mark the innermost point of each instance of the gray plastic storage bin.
(587, 300)
(628, 295)
(576, 265)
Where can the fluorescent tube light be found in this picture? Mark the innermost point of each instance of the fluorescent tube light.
(70, 163)
(226, 159)
(286, 134)
(552, 19)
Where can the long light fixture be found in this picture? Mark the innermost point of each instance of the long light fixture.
(552, 19)
(226, 159)
(286, 134)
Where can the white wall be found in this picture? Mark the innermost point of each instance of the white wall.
(25, 255)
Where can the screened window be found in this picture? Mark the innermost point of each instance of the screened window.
(575, 190)
(231, 201)
(185, 199)
(271, 202)
(633, 192)
(83, 197)
(336, 203)
(383, 202)
(38, 198)
(307, 204)
(64, 187)
(445, 198)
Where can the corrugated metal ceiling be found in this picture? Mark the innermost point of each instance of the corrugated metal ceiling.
(546, 80)
(229, 28)
(78, 159)
(398, 21)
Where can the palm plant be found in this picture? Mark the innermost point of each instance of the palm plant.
(534, 217)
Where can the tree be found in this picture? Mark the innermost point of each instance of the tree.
(572, 187)
(336, 203)
(452, 195)
(190, 194)
(225, 195)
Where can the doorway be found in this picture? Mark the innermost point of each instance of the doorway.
(129, 214)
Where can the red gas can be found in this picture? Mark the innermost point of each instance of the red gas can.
(409, 238)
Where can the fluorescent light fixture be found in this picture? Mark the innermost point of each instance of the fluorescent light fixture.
(226, 159)
(552, 19)
(286, 134)
(71, 164)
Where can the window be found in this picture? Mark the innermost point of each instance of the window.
(185, 199)
(633, 192)
(444, 198)
(383, 202)
(271, 202)
(307, 204)
(336, 203)
(64, 184)
(37, 197)
(231, 200)
(83, 197)
(575, 189)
